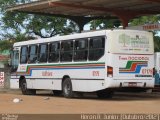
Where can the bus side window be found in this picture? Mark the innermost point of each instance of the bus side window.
(24, 55)
(96, 48)
(81, 50)
(43, 53)
(54, 50)
(33, 54)
(66, 51)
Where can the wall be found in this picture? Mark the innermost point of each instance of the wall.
(6, 71)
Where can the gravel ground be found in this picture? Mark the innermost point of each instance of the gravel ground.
(45, 103)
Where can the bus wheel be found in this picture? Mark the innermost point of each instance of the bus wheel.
(57, 92)
(25, 90)
(67, 88)
(105, 94)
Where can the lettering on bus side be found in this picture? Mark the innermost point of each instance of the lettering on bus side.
(95, 73)
(47, 73)
(133, 58)
(147, 71)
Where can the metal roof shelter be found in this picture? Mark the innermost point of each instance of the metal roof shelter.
(83, 11)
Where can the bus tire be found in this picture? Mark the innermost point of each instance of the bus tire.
(67, 88)
(57, 92)
(24, 89)
(104, 94)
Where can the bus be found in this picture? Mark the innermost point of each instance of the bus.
(157, 71)
(98, 61)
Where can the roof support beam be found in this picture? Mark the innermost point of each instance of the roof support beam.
(124, 15)
(94, 8)
(157, 1)
(125, 18)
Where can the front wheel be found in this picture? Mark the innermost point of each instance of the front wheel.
(67, 88)
(25, 90)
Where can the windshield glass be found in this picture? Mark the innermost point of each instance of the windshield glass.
(14, 60)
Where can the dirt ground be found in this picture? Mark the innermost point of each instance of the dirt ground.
(46, 103)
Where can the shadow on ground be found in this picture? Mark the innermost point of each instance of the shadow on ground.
(118, 96)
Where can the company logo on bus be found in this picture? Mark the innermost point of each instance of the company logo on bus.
(133, 67)
(139, 42)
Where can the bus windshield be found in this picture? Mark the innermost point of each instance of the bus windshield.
(131, 42)
(14, 60)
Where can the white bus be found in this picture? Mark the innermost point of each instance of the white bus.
(99, 61)
(157, 69)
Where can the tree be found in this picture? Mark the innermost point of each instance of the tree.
(145, 20)
(29, 24)
(43, 26)
(17, 26)
(5, 45)
(104, 24)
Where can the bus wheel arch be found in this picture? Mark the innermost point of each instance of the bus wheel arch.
(65, 77)
(23, 87)
(67, 88)
(20, 80)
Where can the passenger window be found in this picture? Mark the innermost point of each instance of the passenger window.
(66, 51)
(54, 51)
(96, 48)
(43, 53)
(24, 55)
(33, 54)
(81, 50)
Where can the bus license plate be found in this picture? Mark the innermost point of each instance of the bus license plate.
(132, 84)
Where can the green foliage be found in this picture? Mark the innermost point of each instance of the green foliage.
(104, 24)
(43, 26)
(156, 43)
(145, 20)
(5, 45)
(15, 23)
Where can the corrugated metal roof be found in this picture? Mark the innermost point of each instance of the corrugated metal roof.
(91, 7)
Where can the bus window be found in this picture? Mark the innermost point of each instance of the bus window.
(33, 54)
(66, 51)
(43, 52)
(81, 50)
(54, 50)
(96, 48)
(24, 54)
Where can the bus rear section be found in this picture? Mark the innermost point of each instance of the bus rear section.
(130, 61)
